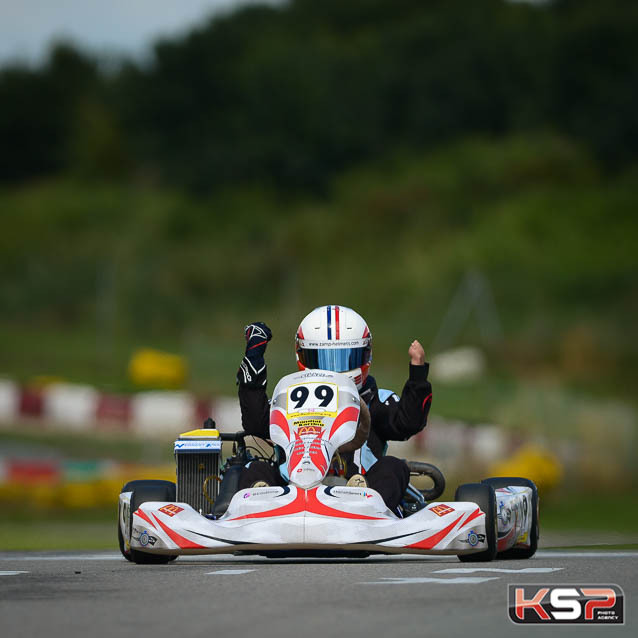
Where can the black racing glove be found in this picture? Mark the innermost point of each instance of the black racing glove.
(257, 334)
(252, 370)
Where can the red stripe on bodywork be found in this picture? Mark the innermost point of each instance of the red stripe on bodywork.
(297, 454)
(475, 514)
(298, 505)
(143, 516)
(178, 539)
(277, 418)
(317, 456)
(315, 506)
(307, 502)
(349, 414)
(431, 541)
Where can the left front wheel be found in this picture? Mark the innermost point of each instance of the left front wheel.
(144, 491)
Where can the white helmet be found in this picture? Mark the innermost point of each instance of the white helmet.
(335, 338)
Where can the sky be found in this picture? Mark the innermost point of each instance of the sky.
(27, 27)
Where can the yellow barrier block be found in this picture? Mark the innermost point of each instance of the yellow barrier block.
(11, 493)
(107, 491)
(533, 462)
(41, 495)
(154, 368)
(77, 495)
(96, 492)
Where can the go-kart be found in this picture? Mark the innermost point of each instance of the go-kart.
(313, 413)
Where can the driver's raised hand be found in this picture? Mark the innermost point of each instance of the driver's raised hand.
(417, 353)
(257, 335)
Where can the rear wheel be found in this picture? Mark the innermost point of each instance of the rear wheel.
(143, 492)
(517, 481)
(483, 495)
(418, 468)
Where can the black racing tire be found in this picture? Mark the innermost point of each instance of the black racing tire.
(120, 540)
(483, 495)
(427, 469)
(144, 491)
(520, 553)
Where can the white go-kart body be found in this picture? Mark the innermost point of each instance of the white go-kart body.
(312, 414)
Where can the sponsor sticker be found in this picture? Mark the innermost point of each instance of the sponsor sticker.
(147, 539)
(209, 446)
(356, 343)
(309, 426)
(442, 509)
(263, 491)
(313, 430)
(504, 513)
(143, 537)
(315, 374)
(171, 510)
(566, 604)
(472, 538)
(309, 423)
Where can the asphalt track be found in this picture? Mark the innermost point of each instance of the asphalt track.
(101, 595)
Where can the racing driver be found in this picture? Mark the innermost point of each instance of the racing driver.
(345, 345)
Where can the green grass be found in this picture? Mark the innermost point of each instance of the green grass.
(616, 512)
(93, 528)
(58, 535)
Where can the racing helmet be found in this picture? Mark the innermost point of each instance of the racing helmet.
(335, 338)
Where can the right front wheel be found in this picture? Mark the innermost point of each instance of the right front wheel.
(483, 495)
(517, 481)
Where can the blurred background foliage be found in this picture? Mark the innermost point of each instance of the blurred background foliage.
(369, 153)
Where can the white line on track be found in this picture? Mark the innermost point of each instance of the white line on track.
(498, 570)
(38, 557)
(548, 553)
(227, 572)
(12, 573)
(467, 580)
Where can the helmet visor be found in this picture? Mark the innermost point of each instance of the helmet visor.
(334, 359)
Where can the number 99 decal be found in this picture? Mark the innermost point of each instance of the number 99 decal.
(319, 399)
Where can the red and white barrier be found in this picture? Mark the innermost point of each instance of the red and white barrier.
(114, 409)
(9, 401)
(227, 414)
(153, 412)
(80, 407)
(74, 406)
(148, 414)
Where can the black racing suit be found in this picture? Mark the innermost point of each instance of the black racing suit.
(391, 419)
